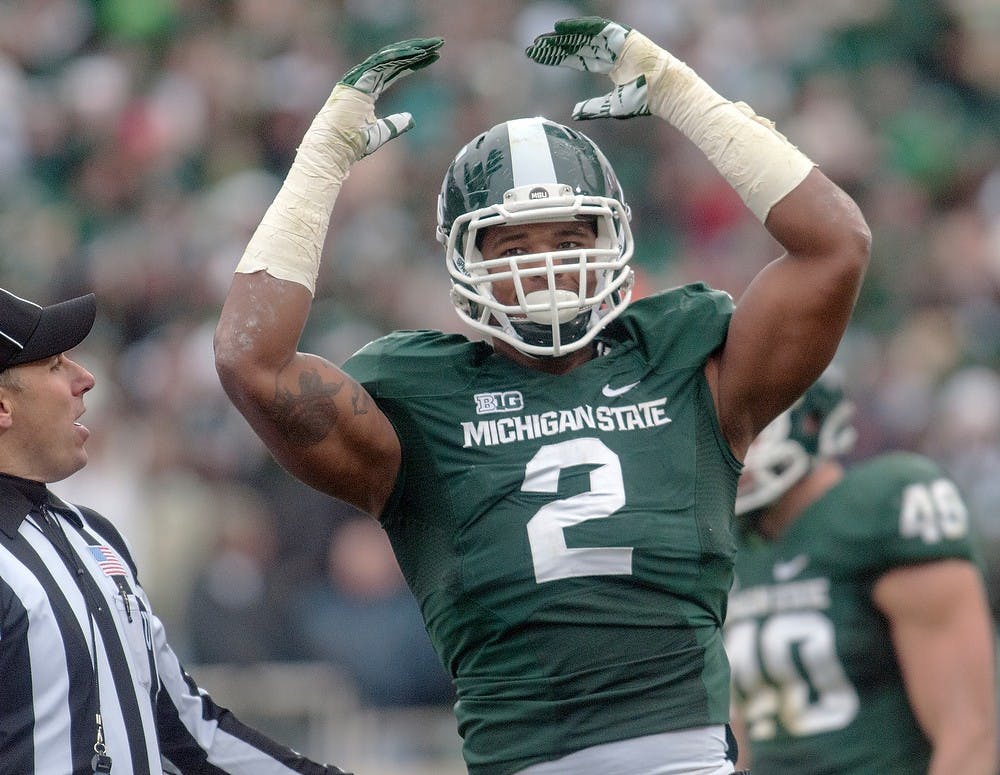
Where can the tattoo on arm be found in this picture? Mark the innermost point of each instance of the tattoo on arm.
(308, 416)
(360, 400)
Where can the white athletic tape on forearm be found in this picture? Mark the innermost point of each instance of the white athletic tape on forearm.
(288, 243)
(756, 159)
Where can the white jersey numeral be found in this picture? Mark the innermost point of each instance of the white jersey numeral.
(551, 557)
(933, 511)
(805, 688)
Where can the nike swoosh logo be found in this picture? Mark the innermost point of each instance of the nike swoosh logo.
(784, 571)
(611, 392)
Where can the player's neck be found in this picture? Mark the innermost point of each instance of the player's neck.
(801, 496)
(560, 365)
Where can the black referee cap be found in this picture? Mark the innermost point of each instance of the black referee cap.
(30, 332)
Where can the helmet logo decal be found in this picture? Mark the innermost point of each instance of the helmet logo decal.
(477, 179)
(538, 193)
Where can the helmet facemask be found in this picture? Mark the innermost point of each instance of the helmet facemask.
(563, 316)
(555, 320)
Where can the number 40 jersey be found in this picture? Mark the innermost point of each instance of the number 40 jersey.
(569, 538)
(815, 676)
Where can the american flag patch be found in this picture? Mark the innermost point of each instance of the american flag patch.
(108, 561)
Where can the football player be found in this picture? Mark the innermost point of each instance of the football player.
(559, 494)
(858, 629)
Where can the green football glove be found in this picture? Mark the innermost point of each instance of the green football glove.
(392, 62)
(381, 70)
(592, 44)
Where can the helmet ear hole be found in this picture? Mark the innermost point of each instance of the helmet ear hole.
(810, 424)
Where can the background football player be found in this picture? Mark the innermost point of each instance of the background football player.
(858, 629)
(559, 494)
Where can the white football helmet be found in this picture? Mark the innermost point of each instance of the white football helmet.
(816, 427)
(534, 170)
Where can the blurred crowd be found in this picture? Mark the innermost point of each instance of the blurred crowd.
(142, 140)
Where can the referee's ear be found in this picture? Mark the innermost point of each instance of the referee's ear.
(6, 407)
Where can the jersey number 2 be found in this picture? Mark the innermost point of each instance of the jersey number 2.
(551, 557)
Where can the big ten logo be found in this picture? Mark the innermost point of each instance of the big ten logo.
(501, 401)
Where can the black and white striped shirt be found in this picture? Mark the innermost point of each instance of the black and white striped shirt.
(69, 603)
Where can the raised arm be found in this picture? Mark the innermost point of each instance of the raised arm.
(787, 325)
(789, 321)
(317, 422)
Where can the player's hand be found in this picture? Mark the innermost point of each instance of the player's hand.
(390, 63)
(381, 70)
(592, 44)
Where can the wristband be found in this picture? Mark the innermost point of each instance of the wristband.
(753, 157)
(288, 243)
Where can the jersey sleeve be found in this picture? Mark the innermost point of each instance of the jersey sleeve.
(408, 363)
(687, 323)
(906, 510)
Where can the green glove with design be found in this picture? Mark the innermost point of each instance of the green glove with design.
(381, 70)
(593, 44)
(288, 243)
(754, 158)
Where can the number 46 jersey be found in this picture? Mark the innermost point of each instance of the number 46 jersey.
(569, 538)
(815, 676)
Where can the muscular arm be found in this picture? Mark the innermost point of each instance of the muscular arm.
(788, 323)
(942, 632)
(786, 328)
(319, 423)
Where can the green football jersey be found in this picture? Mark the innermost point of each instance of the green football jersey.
(815, 676)
(570, 539)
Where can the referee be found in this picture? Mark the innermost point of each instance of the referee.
(88, 683)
